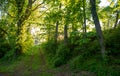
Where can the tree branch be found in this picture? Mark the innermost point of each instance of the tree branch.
(33, 1)
(44, 12)
(10, 15)
(37, 6)
(116, 21)
(27, 12)
(3, 30)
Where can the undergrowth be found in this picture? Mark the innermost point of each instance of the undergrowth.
(84, 53)
(81, 54)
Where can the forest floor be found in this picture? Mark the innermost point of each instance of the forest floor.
(36, 65)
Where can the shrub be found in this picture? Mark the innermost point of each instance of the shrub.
(49, 47)
(4, 48)
(77, 63)
(62, 55)
(112, 40)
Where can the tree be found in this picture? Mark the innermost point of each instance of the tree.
(106, 17)
(56, 27)
(116, 21)
(20, 22)
(24, 10)
(65, 34)
(66, 23)
(115, 5)
(97, 26)
(84, 15)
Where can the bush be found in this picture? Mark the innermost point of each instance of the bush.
(112, 40)
(49, 47)
(62, 55)
(93, 64)
(4, 48)
(77, 63)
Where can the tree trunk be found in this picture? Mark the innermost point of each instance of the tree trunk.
(65, 35)
(108, 24)
(20, 20)
(49, 33)
(117, 16)
(18, 49)
(84, 13)
(98, 27)
(56, 31)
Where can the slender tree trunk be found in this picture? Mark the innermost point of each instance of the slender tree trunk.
(65, 35)
(56, 31)
(108, 24)
(49, 33)
(117, 16)
(98, 27)
(84, 13)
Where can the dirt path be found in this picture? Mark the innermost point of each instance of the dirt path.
(28, 67)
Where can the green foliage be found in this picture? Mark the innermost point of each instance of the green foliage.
(62, 55)
(4, 42)
(90, 59)
(56, 54)
(28, 43)
(112, 42)
(82, 50)
(76, 63)
(49, 47)
(93, 64)
(84, 45)
(4, 48)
